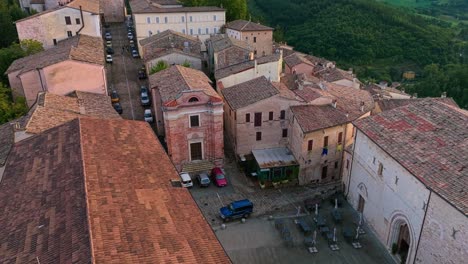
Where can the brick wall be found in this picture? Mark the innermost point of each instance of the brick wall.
(438, 242)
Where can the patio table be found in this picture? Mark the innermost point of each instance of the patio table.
(348, 233)
(324, 230)
(303, 226)
(320, 221)
(336, 216)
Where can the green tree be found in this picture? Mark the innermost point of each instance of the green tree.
(187, 64)
(16, 51)
(9, 12)
(10, 110)
(161, 65)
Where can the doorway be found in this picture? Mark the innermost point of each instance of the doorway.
(196, 152)
(361, 204)
(403, 242)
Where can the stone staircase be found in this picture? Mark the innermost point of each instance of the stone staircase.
(198, 166)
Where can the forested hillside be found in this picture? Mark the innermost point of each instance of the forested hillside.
(377, 40)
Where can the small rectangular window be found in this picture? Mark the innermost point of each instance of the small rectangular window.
(347, 164)
(247, 118)
(194, 121)
(157, 20)
(165, 20)
(67, 20)
(214, 17)
(259, 136)
(215, 30)
(199, 31)
(340, 137)
(207, 31)
(78, 21)
(69, 33)
(380, 171)
(55, 42)
(282, 114)
(310, 144)
(191, 31)
(255, 39)
(258, 119)
(270, 116)
(325, 141)
(324, 172)
(285, 132)
(336, 164)
(183, 19)
(191, 19)
(183, 31)
(148, 20)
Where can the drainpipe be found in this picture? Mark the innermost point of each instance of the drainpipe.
(342, 154)
(82, 21)
(351, 167)
(40, 78)
(422, 227)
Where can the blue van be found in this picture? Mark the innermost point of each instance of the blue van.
(237, 209)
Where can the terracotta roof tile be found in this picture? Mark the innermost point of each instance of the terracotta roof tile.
(92, 188)
(243, 66)
(52, 110)
(92, 6)
(430, 139)
(244, 25)
(170, 83)
(7, 139)
(165, 34)
(222, 41)
(249, 92)
(80, 48)
(389, 104)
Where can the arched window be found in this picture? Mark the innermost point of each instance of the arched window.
(193, 99)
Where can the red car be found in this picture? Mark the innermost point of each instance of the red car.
(217, 174)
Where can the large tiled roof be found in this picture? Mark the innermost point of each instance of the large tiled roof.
(429, 139)
(164, 34)
(170, 83)
(146, 6)
(222, 41)
(91, 6)
(335, 74)
(351, 104)
(389, 104)
(249, 92)
(52, 110)
(99, 191)
(80, 48)
(7, 139)
(244, 25)
(243, 66)
(295, 59)
(160, 52)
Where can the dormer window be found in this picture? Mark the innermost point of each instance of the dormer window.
(193, 100)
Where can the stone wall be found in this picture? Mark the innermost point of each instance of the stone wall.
(444, 238)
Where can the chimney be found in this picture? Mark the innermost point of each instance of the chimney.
(362, 106)
(444, 95)
(334, 103)
(415, 95)
(402, 90)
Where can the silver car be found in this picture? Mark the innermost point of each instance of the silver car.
(203, 180)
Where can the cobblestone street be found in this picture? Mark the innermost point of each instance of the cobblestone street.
(122, 74)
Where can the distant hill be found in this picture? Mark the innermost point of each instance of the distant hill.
(379, 41)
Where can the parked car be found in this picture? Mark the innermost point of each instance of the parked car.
(118, 108)
(143, 89)
(109, 50)
(131, 42)
(186, 180)
(203, 180)
(148, 116)
(237, 209)
(135, 53)
(217, 175)
(108, 36)
(109, 58)
(109, 44)
(130, 35)
(144, 100)
(141, 74)
(115, 98)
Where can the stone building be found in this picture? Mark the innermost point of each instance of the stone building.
(171, 47)
(154, 16)
(267, 66)
(322, 129)
(76, 63)
(53, 25)
(189, 114)
(408, 178)
(224, 51)
(258, 36)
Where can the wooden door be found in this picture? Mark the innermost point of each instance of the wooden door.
(196, 151)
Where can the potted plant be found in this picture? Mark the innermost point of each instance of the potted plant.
(262, 184)
(276, 184)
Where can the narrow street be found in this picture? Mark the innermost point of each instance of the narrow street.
(122, 74)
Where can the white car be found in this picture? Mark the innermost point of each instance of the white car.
(186, 180)
(109, 58)
(148, 116)
(130, 35)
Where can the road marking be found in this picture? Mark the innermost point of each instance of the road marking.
(126, 78)
(222, 205)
